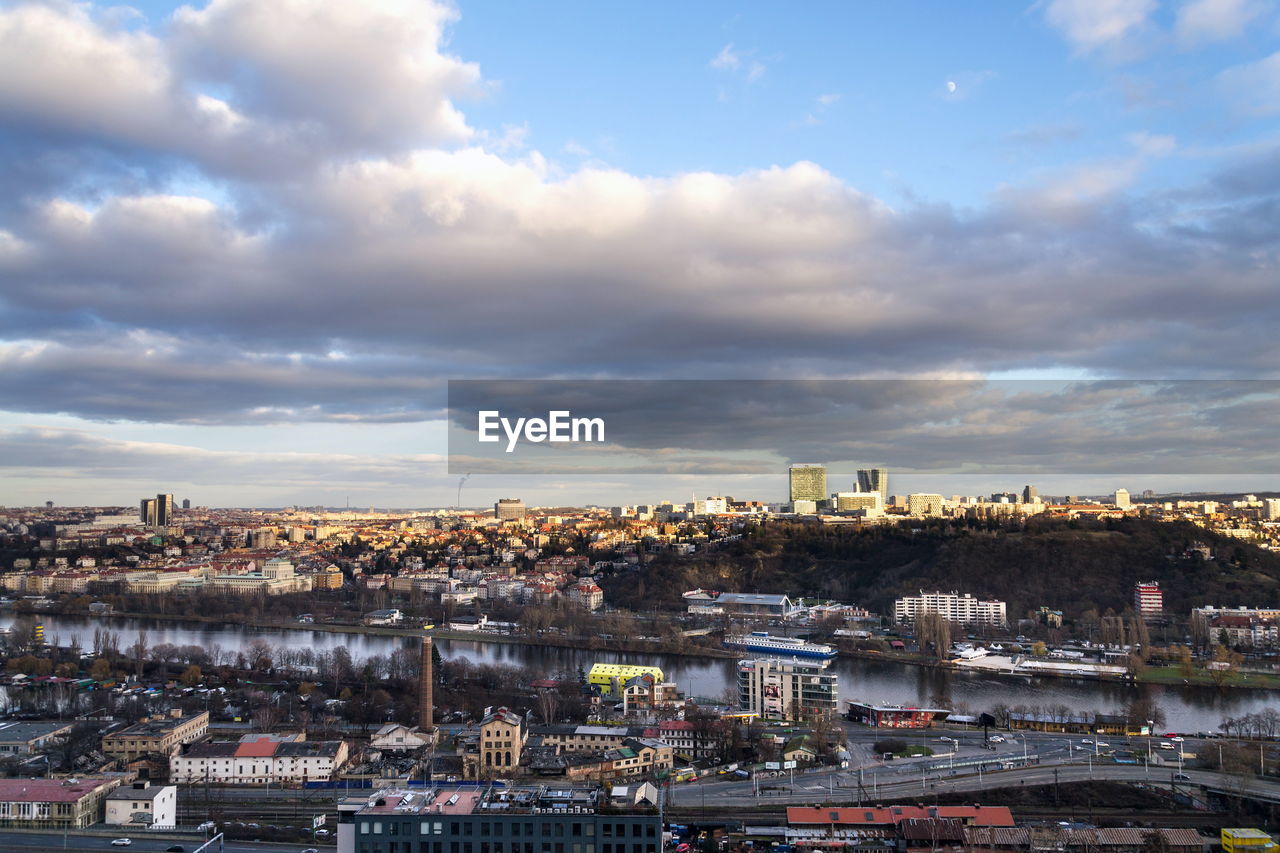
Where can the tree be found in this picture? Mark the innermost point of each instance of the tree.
(101, 670)
(1039, 649)
(933, 632)
(191, 676)
(1225, 662)
(61, 752)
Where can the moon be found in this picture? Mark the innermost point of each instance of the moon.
(951, 86)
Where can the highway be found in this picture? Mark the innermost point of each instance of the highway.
(24, 842)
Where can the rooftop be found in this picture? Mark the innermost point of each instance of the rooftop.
(49, 790)
(456, 801)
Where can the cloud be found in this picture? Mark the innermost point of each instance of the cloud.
(1201, 21)
(225, 89)
(726, 59)
(1043, 134)
(1254, 86)
(734, 61)
(1094, 24)
(828, 99)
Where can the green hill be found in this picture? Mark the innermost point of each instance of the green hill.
(1070, 566)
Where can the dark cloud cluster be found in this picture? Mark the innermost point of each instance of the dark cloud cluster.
(201, 222)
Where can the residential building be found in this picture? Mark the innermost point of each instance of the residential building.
(808, 483)
(54, 803)
(710, 506)
(962, 609)
(561, 818)
(1148, 600)
(156, 736)
(259, 759)
(1030, 494)
(786, 689)
(142, 804)
(1121, 499)
(586, 594)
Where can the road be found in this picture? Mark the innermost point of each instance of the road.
(24, 842)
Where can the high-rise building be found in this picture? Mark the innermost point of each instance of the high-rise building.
(787, 689)
(875, 480)
(1148, 600)
(1121, 499)
(508, 509)
(808, 483)
(186, 503)
(48, 504)
(164, 510)
(1271, 509)
(147, 512)
(1030, 494)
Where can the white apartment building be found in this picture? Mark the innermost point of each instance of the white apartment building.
(962, 609)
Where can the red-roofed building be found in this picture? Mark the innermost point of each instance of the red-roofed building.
(54, 803)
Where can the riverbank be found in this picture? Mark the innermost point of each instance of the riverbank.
(1165, 676)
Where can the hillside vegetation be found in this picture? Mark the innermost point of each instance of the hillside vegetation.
(1076, 567)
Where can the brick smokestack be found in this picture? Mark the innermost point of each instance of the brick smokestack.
(426, 720)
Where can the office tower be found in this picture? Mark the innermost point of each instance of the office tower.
(508, 509)
(1121, 499)
(875, 480)
(186, 503)
(164, 510)
(921, 505)
(147, 512)
(48, 504)
(1030, 494)
(808, 483)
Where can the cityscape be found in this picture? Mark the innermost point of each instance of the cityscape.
(451, 426)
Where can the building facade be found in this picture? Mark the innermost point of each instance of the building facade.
(808, 483)
(156, 736)
(786, 689)
(561, 819)
(509, 509)
(962, 609)
(142, 804)
(54, 803)
(259, 760)
(1148, 600)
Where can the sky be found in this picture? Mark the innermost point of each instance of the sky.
(245, 245)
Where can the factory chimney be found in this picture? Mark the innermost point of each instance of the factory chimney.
(426, 720)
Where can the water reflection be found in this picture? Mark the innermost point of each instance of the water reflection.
(1186, 708)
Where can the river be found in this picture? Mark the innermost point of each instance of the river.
(1187, 709)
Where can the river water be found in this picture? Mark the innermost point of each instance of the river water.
(1187, 709)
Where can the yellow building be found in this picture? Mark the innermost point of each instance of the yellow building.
(610, 677)
(1246, 840)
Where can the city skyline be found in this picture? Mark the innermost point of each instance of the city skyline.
(244, 269)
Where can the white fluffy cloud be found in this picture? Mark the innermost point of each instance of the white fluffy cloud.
(1215, 20)
(1093, 24)
(240, 87)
